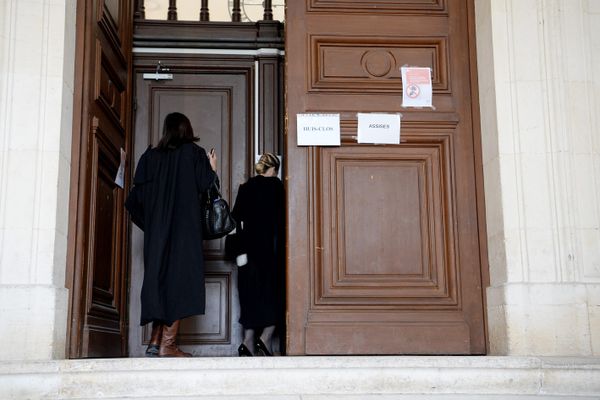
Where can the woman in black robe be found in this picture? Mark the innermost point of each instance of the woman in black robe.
(259, 211)
(164, 203)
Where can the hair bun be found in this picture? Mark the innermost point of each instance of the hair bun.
(266, 161)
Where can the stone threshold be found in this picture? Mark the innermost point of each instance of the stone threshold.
(303, 378)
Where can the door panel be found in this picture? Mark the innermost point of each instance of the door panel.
(215, 326)
(219, 110)
(97, 271)
(387, 204)
(386, 256)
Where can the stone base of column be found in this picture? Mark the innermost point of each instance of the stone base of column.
(544, 319)
(34, 322)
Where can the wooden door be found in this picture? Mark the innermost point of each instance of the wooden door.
(97, 269)
(219, 108)
(384, 242)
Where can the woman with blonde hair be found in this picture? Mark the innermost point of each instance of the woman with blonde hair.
(260, 211)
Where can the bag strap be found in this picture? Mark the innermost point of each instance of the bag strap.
(214, 190)
(217, 183)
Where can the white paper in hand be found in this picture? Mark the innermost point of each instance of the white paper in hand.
(241, 260)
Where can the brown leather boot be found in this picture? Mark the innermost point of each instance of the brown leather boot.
(154, 345)
(167, 343)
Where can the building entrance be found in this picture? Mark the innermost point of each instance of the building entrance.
(384, 243)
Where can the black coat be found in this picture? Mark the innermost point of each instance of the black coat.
(259, 211)
(164, 203)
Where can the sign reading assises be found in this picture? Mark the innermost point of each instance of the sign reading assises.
(378, 128)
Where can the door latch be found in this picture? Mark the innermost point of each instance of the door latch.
(160, 74)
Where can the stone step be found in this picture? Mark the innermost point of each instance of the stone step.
(303, 378)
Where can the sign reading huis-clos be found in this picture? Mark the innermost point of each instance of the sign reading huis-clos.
(318, 129)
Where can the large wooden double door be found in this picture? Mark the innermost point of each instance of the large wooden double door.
(385, 244)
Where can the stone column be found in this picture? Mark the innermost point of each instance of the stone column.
(37, 50)
(539, 84)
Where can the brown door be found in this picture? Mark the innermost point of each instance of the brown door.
(219, 107)
(97, 273)
(384, 241)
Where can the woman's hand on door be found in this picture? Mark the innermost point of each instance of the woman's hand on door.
(212, 158)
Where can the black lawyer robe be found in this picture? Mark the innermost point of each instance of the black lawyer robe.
(164, 203)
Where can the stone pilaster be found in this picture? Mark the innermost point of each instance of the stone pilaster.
(539, 72)
(37, 49)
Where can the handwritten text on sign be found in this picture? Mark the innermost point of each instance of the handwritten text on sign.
(379, 128)
(318, 129)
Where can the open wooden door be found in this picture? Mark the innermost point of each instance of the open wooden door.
(97, 275)
(384, 243)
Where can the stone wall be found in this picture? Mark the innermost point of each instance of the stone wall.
(539, 75)
(37, 50)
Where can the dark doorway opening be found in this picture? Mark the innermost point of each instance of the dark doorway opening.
(228, 78)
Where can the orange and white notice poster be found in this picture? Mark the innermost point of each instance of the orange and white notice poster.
(416, 87)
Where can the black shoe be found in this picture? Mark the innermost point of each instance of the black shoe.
(243, 351)
(152, 350)
(263, 348)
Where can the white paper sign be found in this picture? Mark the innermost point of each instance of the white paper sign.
(379, 128)
(416, 87)
(120, 178)
(318, 129)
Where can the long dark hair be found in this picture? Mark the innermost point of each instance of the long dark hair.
(177, 130)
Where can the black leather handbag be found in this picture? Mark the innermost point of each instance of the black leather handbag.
(216, 217)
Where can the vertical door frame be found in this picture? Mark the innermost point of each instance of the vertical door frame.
(75, 242)
(478, 152)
